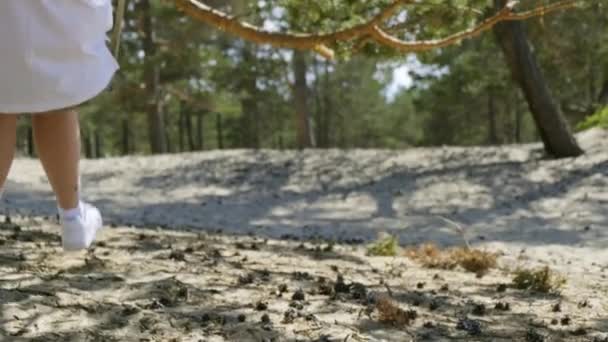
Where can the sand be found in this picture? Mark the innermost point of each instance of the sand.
(184, 231)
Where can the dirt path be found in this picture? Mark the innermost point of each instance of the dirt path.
(250, 213)
(160, 285)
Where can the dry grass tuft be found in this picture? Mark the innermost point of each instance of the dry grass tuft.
(543, 280)
(431, 256)
(390, 313)
(472, 260)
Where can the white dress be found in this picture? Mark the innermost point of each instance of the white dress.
(53, 53)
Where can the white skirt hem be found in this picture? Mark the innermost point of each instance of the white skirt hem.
(48, 106)
(54, 53)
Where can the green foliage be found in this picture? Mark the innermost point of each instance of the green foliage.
(386, 246)
(599, 119)
(247, 89)
(543, 280)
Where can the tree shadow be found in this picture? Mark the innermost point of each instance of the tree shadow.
(282, 198)
(335, 196)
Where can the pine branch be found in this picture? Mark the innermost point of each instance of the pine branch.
(369, 31)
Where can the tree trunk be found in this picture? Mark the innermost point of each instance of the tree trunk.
(603, 98)
(181, 128)
(249, 135)
(126, 141)
(88, 146)
(30, 141)
(518, 119)
(323, 104)
(591, 79)
(200, 144)
(550, 121)
(327, 108)
(98, 145)
(319, 111)
(303, 122)
(492, 131)
(169, 145)
(189, 132)
(156, 124)
(219, 133)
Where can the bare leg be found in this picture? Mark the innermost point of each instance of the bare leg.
(57, 139)
(8, 133)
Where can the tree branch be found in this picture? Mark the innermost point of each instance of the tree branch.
(301, 41)
(505, 14)
(370, 30)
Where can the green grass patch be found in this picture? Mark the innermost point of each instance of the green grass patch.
(543, 280)
(387, 246)
(599, 119)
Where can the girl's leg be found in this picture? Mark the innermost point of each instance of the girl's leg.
(57, 139)
(8, 136)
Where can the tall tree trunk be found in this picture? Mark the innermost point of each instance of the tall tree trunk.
(126, 141)
(169, 145)
(30, 141)
(98, 145)
(603, 98)
(303, 120)
(550, 121)
(88, 145)
(591, 79)
(189, 130)
(200, 135)
(327, 108)
(319, 111)
(219, 131)
(492, 130)
(156, 124)
(518, 122)
(250, 135)
(181, 129)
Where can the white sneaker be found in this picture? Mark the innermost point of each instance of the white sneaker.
(79, 232)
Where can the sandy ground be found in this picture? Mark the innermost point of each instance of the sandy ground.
(197, 240)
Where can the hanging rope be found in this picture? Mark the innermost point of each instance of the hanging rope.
(118, 24)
